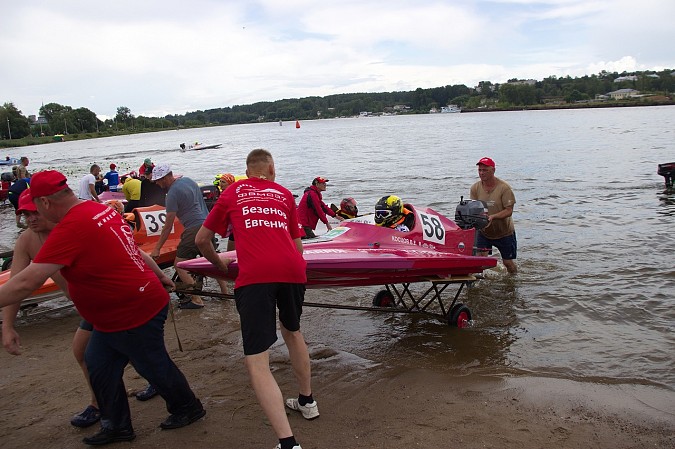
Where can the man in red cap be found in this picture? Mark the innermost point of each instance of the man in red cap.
(113, 178)
(311, 208)
(126, 303)
(499, 198)
(26, 248)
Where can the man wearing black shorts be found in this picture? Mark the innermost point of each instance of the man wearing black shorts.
(272, 274)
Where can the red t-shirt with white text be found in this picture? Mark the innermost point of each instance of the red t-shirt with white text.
(265, 223)
(108, 280)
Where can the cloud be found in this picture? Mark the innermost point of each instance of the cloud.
(172, 57)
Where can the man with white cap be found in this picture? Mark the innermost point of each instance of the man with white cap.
(499, 198)
(184, 200)
(126, 304)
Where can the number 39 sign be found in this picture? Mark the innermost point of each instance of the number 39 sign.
(153, 221)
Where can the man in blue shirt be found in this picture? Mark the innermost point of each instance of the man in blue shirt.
(113, 178)
(13, 195)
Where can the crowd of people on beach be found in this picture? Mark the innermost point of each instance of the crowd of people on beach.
(125, 306)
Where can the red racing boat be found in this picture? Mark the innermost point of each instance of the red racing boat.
(359, 253)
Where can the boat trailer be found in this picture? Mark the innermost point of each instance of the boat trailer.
(399, 298)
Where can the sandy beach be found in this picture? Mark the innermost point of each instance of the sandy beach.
(363, 403)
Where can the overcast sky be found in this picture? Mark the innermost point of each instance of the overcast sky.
(171, 57)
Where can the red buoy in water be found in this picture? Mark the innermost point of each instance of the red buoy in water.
(297, 123)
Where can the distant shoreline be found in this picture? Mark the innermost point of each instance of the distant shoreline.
(597, 105)
(28, 141)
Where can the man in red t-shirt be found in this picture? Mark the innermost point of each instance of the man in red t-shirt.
(272, 273)
(125, 301)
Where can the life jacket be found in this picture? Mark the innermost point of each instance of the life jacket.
(407, 219)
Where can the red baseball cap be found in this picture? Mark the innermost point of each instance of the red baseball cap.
(26, 202)
(486, 161)
(113, 166)
(47, 182)
(319, 179)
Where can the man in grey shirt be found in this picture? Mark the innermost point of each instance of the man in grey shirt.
(184, 201)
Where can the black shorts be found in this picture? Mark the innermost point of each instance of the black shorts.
(507, 246)
(86, 325)
(257, 304)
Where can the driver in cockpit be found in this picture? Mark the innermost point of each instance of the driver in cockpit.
(390, 213)
(347, 209)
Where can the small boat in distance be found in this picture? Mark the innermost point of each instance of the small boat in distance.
(199, 146)
(450, 108)
(10, 161)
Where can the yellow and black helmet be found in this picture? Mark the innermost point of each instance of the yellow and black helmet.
(388, 210)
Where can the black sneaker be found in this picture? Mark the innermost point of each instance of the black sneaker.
(107, 436)
(88, 417)
(177, 421)
(146, 394)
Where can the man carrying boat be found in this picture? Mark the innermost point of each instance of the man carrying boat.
(26, 248)
(184, 200)
(272, 274)
(499, 198)
(311, 208)
(126, 303)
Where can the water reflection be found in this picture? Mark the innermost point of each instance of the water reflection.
(418, 340)
(667, 202)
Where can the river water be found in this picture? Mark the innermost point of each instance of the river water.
(593, 300)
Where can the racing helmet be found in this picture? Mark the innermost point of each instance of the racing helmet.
(388, 210)
(226, 177)
(349, 205)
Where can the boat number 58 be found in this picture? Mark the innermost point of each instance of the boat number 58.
(154, 221)
(432, 228)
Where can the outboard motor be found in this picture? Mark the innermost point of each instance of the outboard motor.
(667, 171)
(210, 195)
(471, 214)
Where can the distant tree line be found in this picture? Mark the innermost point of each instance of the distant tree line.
(60, 119)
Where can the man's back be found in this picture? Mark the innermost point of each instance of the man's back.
(84, 191)
(112, 287)
(264, 219)
(132, 189)
(152, 194)
(186, 200)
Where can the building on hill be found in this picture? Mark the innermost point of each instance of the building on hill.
(622, 94)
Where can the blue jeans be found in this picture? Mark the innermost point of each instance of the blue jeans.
(108, 353)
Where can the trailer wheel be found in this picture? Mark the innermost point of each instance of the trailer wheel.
(383, 298)
(459, 316)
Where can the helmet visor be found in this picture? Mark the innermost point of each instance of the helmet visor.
(382, 214)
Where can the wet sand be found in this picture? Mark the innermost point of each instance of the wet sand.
(363, 403)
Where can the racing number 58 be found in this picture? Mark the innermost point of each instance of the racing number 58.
(432, 228)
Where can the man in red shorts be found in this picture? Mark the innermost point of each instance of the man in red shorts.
(126, 303)
(272, 273)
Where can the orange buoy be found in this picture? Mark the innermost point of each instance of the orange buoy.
(297, 123)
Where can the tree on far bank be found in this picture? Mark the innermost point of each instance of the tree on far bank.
(12, 121)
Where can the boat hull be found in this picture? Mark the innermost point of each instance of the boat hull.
(359, 253)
